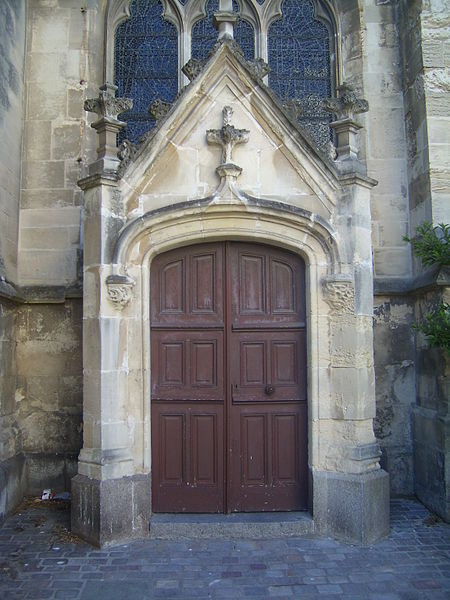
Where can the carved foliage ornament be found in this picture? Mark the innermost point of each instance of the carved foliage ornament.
(228, 136)
(107, 105)
(340, 295)
(120, 290)
(347, 104)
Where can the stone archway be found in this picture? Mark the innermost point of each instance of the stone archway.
(342, 451)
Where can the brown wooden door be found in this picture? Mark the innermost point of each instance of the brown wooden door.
(229, 425)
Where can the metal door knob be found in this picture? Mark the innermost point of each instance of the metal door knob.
(269, 390)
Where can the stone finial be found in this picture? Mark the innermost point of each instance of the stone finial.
(225, 19)
(108, 108)
(227, 137)
(346, 106)
(120, 290)
(107, 105)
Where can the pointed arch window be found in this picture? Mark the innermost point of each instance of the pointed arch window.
(299, 55)
(145, 63)
(155, 38)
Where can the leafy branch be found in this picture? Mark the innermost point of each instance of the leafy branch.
(432, 246)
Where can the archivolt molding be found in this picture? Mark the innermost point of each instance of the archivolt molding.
(208, 220)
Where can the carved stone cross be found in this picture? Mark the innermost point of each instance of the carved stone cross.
(227, 137)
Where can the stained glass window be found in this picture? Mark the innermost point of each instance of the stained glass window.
(145, 64)
(299, 58)
(204, 34)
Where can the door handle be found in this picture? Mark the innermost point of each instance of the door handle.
(269, 390)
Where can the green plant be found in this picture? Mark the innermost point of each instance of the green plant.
(432, 244)
(436, 327)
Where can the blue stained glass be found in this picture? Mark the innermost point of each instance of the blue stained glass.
(299, 58)
(145, 64)
(204, 34)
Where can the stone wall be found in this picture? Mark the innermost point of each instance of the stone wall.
(394, 344)
(12, 51)
(12, 48)
(61, 67)
(12, 473)
(385, 135)
(49, 391)
(431, 415)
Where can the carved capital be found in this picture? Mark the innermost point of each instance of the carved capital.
(120, 290)
(347, 105)
(340, 295)
(107, 106)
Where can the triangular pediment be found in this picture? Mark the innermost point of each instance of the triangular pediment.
(175, 163)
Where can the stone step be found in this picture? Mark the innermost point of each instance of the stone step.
(234, 526)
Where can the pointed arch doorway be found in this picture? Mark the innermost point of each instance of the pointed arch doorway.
(228, 364)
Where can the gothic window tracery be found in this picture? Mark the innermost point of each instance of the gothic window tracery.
(204, 35)
(299, 59)
(155, 38)
(146, 63)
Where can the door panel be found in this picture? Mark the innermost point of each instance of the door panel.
(268, 366)
(269, 458)
(186, 287)
(188, 458)
(187, 365)
(228, 371)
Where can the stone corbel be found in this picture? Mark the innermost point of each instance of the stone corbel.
(120, 290)
(339, 294)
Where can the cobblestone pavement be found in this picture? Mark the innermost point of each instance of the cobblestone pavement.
(39, 559)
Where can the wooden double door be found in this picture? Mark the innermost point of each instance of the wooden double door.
(228, 370)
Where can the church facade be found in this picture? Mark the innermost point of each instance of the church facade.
(206, 300)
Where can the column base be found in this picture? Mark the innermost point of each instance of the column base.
(112, 511)
(350, 507)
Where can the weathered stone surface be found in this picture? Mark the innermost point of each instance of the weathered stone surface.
(112, 511)
(352, 507)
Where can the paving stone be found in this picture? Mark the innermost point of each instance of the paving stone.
(413, 563)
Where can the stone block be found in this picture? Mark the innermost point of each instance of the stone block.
(44, 103)
(354, 508)
(392, 262)
(50, 29)
(75, 100)
(36, 143)
(50, 199)
(111, 511)
(44, 239)
(43, 174)
(66, 142)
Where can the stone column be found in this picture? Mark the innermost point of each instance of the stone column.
(110, 501)
(351, 492)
